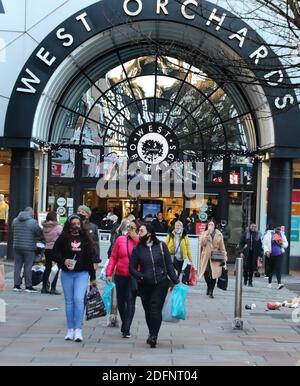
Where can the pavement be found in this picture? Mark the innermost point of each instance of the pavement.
(34, 336)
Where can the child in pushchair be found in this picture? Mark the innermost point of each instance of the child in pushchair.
(38, 266)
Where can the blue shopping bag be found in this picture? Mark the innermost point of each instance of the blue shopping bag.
(106, 296)
(179, 295)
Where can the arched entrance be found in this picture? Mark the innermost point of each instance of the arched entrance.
(61, 89)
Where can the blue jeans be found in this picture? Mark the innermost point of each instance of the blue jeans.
(75, 285)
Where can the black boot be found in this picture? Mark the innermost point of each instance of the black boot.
(207, 291)
(211, 288)
(153, 341)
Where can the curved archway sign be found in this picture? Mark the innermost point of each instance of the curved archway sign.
(107, 14)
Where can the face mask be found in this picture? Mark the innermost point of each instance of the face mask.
(83, 218)
(178, 231)
(75, 229)
(144, 239)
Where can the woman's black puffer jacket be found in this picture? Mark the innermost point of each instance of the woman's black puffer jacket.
(153, 267)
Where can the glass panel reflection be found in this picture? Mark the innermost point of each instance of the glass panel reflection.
(63, 163)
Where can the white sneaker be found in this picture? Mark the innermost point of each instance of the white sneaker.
(269, 286)
(280, 286)
(70, 334)
(78, 335)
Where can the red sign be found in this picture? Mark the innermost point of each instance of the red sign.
(55, 169)
(200, 228)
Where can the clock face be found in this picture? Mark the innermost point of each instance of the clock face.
(153, 143)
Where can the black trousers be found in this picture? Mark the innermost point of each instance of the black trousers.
(178, 264)
(126, 301)
(153, 298)
(211, 283)
(49, 256)
(275, 266)
(249, 267)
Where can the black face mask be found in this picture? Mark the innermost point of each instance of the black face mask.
(75, 229)
(144, 239)
(83, 218)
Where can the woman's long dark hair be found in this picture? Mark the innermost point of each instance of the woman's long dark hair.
(206, 228)
(151, 230)
(88, 243)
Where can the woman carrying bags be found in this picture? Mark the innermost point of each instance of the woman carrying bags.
(179, 247)
(119, 261)
(74, 252)
(213, 256)
(151, 265)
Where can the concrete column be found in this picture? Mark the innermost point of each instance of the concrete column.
(279, 200)
(21, 186)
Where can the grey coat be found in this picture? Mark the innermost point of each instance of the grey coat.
(26, 232)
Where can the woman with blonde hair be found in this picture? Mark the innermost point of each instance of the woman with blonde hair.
(213, 256)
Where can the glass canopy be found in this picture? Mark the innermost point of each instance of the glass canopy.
(103, 107)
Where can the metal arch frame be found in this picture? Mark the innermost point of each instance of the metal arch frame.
(128, 79)
(164, 99)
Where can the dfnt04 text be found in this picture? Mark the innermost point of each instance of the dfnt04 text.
(177, 375)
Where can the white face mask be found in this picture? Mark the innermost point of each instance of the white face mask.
(178, 230)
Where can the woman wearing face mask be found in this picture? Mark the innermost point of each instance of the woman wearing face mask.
(211, 240)
(122, 230)
(119, 261)
(155, 266)
(179, 246)
(74, 252)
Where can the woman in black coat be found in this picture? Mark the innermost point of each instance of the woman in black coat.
(151, 265)
(250, 250)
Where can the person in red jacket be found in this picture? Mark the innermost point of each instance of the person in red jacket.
(119, 261)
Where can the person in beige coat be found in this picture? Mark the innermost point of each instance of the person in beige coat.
(211, 240)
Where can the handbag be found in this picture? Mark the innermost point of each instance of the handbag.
(95, 307)
(217, 256)
(223, 279)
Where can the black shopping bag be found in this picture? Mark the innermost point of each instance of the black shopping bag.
(94, 304)
(186, 275)
(223, 280)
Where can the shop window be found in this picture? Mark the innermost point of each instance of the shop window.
(241, 171)
(5, 166)
(240, 210)
(214, 171)
(60, 200)
(63, 163)
(91, 163)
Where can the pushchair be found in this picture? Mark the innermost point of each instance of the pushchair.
(38, 266)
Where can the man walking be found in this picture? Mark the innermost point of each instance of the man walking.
(26, 233)
(250, 251)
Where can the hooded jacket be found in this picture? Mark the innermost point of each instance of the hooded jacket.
(51, 232)
(26, 232)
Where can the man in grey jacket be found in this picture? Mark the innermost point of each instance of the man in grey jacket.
(26, 233)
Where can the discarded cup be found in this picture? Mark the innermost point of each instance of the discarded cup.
(250, 306)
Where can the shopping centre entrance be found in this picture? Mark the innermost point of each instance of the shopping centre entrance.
(107, 79)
